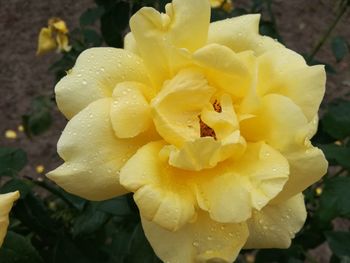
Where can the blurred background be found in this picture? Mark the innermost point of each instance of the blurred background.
(30, 121)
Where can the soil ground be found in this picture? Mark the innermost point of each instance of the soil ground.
(23, 75)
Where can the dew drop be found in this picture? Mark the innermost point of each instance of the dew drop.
(84, 82)
(195, 243)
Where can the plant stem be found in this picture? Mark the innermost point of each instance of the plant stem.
(327, 34)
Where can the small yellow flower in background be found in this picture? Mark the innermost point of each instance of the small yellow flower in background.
(40, 169)
(55, 36)
(318, 191)
(20, 128)
(6, 203)
(208, 124)
(10, 134)
(338, 143)
(226, 5)
(250, 258)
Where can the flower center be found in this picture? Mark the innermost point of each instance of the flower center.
(205, 130)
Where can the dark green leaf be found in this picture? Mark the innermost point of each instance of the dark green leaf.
(118, 206)
(267, 28)
(33, 214)
(140, 248)
(340, 48)
(67, 251)
(114, 23)
(339, 242)
(39, 119)
(12, 160)
(334, 201)
(16, 185)
(336, 154)
(336, 121)
(90, 16)
(92, 38)
(17, 249)
(90, 221)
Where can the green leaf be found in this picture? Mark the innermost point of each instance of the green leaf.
(67, 251)
(337, 155)
(90, 16)
(33, 214)
(12, 160)
(140, 248)
(118, 206)
(340, 48)
(114, 22)
(39, 119)
(17, 249)
(92, 38)
(16, 185)
(339, 242)
(334, 201)
(336, 121)
(89, 221)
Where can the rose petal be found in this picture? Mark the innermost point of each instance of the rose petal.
(275, 225)
(241, 34)
(201, 241)
(159, 192)
(6, 203)
(93, 155)
(94, 76)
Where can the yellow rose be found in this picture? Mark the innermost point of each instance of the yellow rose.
(208, 124)
(55, 36)
(6, 203)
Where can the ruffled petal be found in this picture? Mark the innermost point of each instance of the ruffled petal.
(130, 111)
(250, 182)
(241, 34)
(165, 40)
(176, 107)
(6, 203)
(93, 155)
(285, 72)
(205, 152)
(130, 43)
(160, 193)
(94, 76)
(201, 241)
(224, 68)
(275, 225)
(279, 122)
(307, 166)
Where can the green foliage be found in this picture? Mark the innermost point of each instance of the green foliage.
(11, 161)
(340, 48)
(18, 249)
(39, 118)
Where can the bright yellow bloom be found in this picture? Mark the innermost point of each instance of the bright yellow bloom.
(10, 134)
(226, 5)
(6, 203)
(208, 124)
(55, 36)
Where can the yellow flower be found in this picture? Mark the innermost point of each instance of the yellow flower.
(55, 36)
(6, 203)
(40, 169)
(208, 124)
(10, 134)
(226, 5)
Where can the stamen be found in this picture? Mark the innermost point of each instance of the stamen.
(205, 130)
